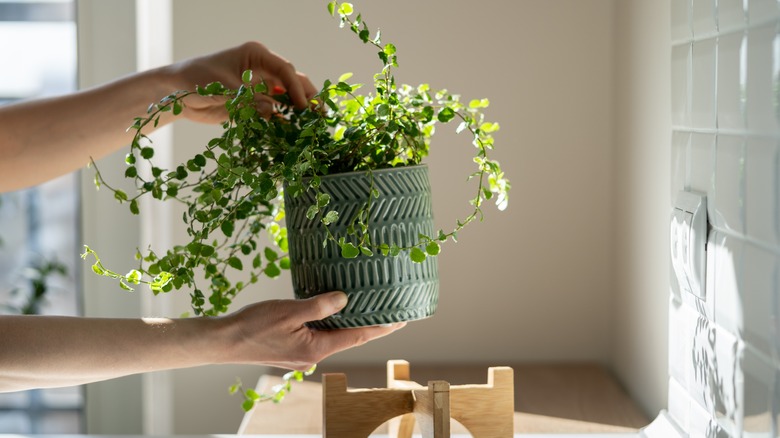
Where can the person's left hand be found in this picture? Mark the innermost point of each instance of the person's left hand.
(274, 332)
(227, 67)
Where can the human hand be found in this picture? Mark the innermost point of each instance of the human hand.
(273, 332)
(226, 67)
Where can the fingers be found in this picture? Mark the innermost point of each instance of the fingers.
(297, 84)
(274, 333)
(309, 91)
(333, 341)
(320, 306)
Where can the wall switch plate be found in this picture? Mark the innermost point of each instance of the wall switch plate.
(689, 241)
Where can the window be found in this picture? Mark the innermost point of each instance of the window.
(39, 232)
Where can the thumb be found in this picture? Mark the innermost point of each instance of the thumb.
(321, 306)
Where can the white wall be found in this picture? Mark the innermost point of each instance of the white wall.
(530, 284)
(641, 199)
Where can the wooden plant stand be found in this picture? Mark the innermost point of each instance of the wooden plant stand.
(487, 411)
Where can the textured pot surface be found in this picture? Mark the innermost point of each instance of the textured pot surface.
(381, 289)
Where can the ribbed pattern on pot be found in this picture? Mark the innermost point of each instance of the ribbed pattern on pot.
(381, 289)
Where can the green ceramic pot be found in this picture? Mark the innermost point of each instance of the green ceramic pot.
(381, 289)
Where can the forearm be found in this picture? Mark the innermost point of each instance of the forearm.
(49, 351)
(46, 138)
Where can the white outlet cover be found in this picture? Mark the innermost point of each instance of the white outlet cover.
(688, 236)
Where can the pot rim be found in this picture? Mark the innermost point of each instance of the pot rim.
(374, 171)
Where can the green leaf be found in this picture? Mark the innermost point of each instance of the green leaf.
(160, 281)
(246, 76)
(343, 86)
(349, 251)
(323, 199)
(200, 160)
(433, 248)
(389, 49)
(417, 255)
(134, 276)
(235, 263)
(227, 228)
(256, 261)
(97, 269)
(489, 127)
(366, 251)
(120, 196)
(312, 211)
(147, 153)
(270, 254)
(446, 114)
(383, 110)
(346, 9)
(338, 134)
(427, 114)
(206, 250)
(134, 207)
(248, 405)
(475, 103)
(214, 88)
(331, 217)
(345, 77)
(284, 263)
(332, 8)
(272, 270)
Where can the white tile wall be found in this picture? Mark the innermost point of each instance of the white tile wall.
(703, 18)
(724, 348)
(761, 189)
(703, 85)
(681, 70)
(731, 81)
(701, 175)
(731, 15)
(760, 67)
(727, 195)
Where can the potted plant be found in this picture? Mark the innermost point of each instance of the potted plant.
(282, 177)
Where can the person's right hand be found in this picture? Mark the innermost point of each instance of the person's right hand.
(273, 332)
(227, 66)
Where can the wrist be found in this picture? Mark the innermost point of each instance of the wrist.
(210, 340)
